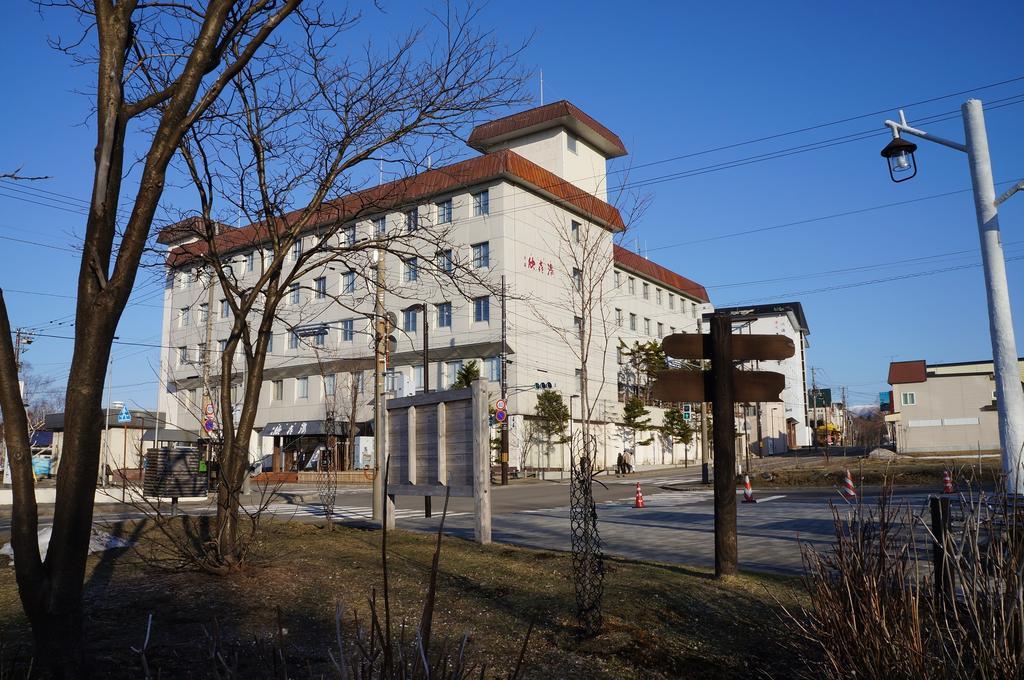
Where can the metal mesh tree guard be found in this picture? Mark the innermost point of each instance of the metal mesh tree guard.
(587, 557)
(327, 478)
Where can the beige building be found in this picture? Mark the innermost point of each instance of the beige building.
(943, 407)
(522, 211)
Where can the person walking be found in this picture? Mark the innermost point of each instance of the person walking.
(619, 465)
(627, 462)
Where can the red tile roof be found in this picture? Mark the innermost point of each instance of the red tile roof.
(562, 112)
(907, 372)
(641, 265)
(503, 164)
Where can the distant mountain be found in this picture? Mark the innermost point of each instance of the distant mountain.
(864, 410)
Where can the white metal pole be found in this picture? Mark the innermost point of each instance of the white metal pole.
(1009, 395)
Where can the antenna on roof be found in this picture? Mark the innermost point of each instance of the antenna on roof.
(380, 166)
(542, 87)
(430, 161)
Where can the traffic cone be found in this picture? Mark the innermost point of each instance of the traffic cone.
(947, 482)
(848, 489)
(638, 502)
(748, 493)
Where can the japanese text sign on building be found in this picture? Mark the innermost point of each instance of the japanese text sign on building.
(539, 265)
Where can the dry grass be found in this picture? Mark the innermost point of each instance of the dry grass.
(902, 472)
(663, 621)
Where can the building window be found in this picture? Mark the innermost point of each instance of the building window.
(444, 211)
(293, 340)
(412, 220)
(570, 141)
(671, 301)
(296, 250)
(481, 255)
(348, 331)
(409, 320)
(222, 345)
(183, 316)
(661, 330)
(574, 228)
(329, 382)
(492, 369)
(632, 322)
(482, 308)
(647, 326)
(620, 355)
(632, 286)
(201, 352)
(182, 280)
(693, 309)
(320, 286)
(451, 372)
(320, 339)
(672, 330)
(278, 390)
(579, 380)
(657, 295)
(270, 343)
(647, 292)
(294, 295)
(618, 279)
(444, 315)
(380, 225)
(204, 312)
(577, 278)
(250, 261)
(445, 262)
(577, 325)
(618, 317)
(182, 356)
(909, 398)
(411, 270)
(348, 282)
(302, 388)
(348, 236)
(481, 203)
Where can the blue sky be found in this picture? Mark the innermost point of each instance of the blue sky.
(673, 80)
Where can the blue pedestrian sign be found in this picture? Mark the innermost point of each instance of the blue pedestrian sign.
(125, 416)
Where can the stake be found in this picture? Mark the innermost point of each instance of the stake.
(724, 431)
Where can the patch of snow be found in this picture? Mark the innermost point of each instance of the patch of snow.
(98, 542)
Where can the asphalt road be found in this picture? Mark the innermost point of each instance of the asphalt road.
(675, 526)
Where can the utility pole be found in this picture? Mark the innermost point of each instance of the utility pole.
(504, 386)
(427, 501)
(704, 472)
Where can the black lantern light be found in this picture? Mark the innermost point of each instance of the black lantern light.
(900, 155)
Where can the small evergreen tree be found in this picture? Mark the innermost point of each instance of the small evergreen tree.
(552, 415)
(637, 418)
(467, 373)
(675, 427)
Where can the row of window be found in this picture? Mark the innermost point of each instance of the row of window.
(645, 293)
(633, 319)
(413, 220)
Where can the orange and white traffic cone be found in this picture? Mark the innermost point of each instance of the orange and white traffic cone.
(748, 493)
(947, 482)
(638, 502)
(848, 490)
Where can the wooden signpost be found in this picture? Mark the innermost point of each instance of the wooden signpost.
(723, 386)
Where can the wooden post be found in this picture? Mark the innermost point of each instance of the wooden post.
(411, 447)
(724, 437)
(481, 464)
(940, 527)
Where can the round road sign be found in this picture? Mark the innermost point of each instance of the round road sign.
(500, 416)
(500, 405)
(210, 410)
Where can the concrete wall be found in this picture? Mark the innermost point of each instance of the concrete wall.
(947, 415)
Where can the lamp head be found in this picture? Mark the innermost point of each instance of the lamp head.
(899, 154)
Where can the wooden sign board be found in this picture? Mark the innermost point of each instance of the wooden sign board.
(681, 385)
(744, 347)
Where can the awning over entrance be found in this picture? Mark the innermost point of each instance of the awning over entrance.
(294, 428)
(169, 434)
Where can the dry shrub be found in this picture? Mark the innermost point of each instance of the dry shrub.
(879, 607)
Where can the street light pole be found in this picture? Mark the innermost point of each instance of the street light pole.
(1009, 395)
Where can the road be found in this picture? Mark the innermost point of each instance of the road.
(675, 526)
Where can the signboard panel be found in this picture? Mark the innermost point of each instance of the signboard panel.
(680, 385)
(744, 347)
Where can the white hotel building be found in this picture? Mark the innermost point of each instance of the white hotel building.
(537, 170)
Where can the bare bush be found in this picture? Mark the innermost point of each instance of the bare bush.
(904, 594)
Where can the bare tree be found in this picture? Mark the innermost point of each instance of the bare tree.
(291, 151)
(123, 42)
